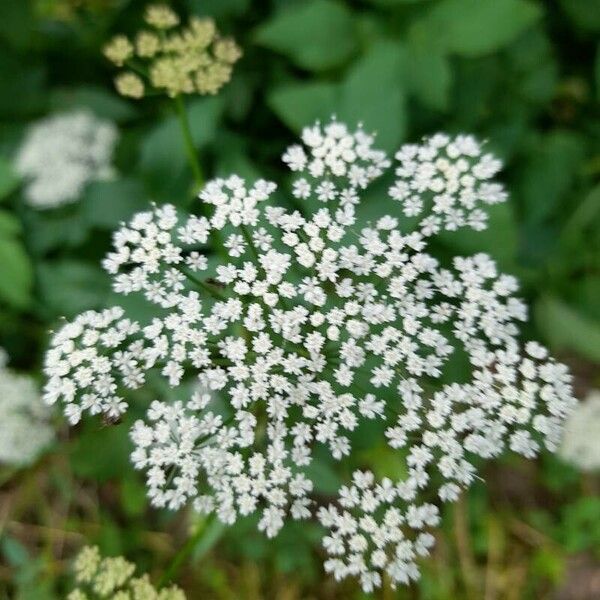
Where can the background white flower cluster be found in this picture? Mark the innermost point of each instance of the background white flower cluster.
(61, 154)
(25, 430)
(312, 329)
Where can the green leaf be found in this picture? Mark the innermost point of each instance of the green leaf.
(99, 101)
(393, 3)
(499, 240)
(68, 287)
(429, 72)
(316, 34)
(108, 203)
(478, 27)
(9, 180)
(9, 224)
(549, 173)
(374, 93)
(218, 9)
(16, 273)
(597, 72)
(100, 452)
(162, 155)
(567, 329)
(300, 104)
(585, 14)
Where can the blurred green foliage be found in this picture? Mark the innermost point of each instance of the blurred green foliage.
(523, 74)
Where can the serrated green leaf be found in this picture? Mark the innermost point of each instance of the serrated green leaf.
(316, 34)
(567, 329)
(478, 27)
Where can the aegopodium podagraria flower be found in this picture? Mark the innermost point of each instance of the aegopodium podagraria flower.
(317, 329)
(581, 440)
(24, 428)
(61, 154)
(99, 577)
(193, 59)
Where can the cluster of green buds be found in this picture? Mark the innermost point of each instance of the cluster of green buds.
(111, 578)
(193, 59)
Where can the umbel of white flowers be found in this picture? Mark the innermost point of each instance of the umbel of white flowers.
(61, 154)
(314, 328)
(24, 427)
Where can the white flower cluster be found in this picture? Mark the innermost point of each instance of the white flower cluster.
(24, 428)
(315, 328)
(581, 439)
(61, 154)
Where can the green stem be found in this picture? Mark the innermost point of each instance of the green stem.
(189, 141)
(201, 542)
(192, 156)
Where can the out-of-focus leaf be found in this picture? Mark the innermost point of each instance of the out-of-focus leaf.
(16, 273)
(14, 552)
(133, 495)
(585, 295)
(428, 68)
(392, 3)
(325, 478)
(548, 173)
(234, 157)
(500, 239)
(585, 14)
(597, 72)
(218, 9)
(98, 100)
(21, 85)
(163, 157)
(299, 104)
(68, 287)
(112, 461)
(585, 214)
(566, 328)
(9, 224)
(478, 27)
(108, 203)
(15, 23)
(54, 229)
(315, 34)
(8, 179)
(373, 93)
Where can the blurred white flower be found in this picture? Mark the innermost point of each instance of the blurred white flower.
(581, 439)
(61, 154)
(24, 429)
